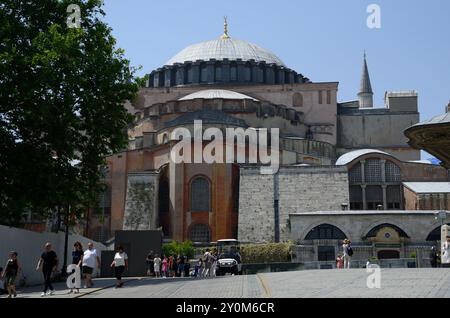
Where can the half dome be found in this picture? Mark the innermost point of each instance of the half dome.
(216, 94)
(225, 48)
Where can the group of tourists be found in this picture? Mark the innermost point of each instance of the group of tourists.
(179, 265)
(167, 266)
(206, 265)
(87, 260)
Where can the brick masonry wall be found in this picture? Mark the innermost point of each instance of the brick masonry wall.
(301, 189)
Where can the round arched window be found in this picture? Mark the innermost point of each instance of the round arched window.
(200, 195)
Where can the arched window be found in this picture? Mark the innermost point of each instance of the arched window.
(435, 235)
(200, 195)
(297, 100)
(354, 174)
(374, 232)
(165, 139)
(325, 232)
(373, 171)
(200, 233)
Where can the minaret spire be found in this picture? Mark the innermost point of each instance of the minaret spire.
(365, 92)
(225, 29)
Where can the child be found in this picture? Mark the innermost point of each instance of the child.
(198, 267)
(164, 267)
(340, 262)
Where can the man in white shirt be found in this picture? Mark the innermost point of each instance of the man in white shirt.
(90, 262)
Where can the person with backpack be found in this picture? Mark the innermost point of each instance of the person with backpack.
(348, 253)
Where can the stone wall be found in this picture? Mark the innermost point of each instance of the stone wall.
(141, 205)
(377, 129)
(256, 210)
(357, 224)
(310, 189)
(300, 189)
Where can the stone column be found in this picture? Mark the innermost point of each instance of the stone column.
(363, 190)
(385, 205)
(363, 180)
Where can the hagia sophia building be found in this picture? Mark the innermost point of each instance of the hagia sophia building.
(346, 168)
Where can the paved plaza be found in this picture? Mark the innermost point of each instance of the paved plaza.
(395, 283)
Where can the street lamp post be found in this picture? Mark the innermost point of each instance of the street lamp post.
(66, 242)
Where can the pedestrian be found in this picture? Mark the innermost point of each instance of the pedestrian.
(348, 253)
(434, 257)
(157, 265)
(49, 263)
(339, 262)
(2, 284)
(77, 259)
(187, 267)
(180, 263)
(198, 267)
(165, 264)
(171, 266)
(150, 264)
(215, 258)
(445, 253)
(12, 269)
(120, 264)
(90, 262)
(207, 258)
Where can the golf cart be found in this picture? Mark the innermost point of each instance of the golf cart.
(229, 258)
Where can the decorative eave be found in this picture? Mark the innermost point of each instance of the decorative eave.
(433, 136)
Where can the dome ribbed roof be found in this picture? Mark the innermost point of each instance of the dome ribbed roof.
(225, 48)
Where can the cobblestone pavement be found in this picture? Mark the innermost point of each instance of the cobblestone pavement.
(395, 283)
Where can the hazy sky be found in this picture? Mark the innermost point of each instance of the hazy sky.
(322, 39)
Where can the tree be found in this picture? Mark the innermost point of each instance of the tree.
(62, 96)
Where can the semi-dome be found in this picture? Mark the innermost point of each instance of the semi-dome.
(216, 94)
(225, 48)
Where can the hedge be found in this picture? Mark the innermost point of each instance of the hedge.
(266, 253)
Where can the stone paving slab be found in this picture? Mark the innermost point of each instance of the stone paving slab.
(395, 283)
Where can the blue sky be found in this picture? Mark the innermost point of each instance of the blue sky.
(322, 39)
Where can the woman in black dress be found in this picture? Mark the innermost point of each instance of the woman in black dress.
(77, 259)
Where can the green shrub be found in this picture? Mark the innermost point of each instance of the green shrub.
(175, 248)
(266, 253)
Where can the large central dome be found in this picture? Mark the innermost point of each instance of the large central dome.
(224, 61)
(225, 48)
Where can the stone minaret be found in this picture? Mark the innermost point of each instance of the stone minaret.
(365, 94)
